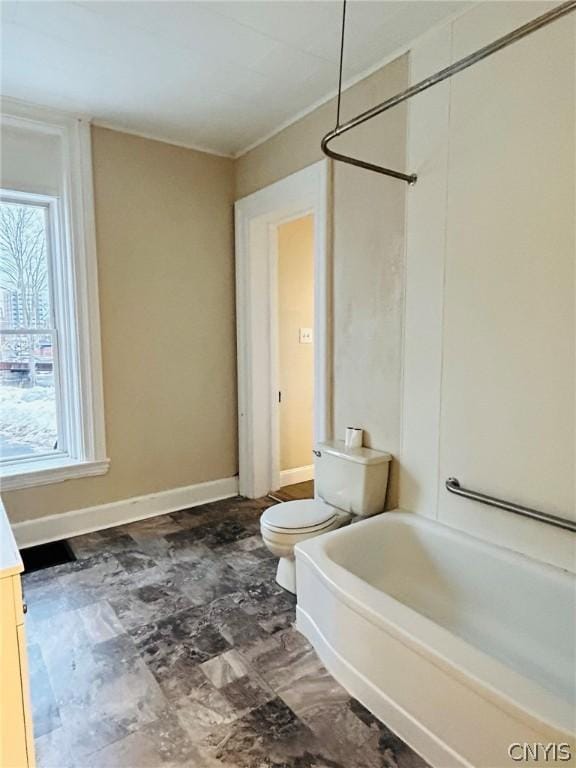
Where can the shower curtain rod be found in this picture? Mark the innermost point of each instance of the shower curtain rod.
(547, 18)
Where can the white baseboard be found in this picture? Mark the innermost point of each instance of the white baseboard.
(54, 527)
(296, 475)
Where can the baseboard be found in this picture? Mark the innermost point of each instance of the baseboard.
(28, 533)
(296, 475)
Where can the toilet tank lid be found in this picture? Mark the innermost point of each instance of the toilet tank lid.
(359, 455)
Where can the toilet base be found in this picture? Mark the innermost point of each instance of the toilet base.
(286, 574)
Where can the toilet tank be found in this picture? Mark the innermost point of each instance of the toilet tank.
(351, 479)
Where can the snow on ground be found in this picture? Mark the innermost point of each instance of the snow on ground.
(28, 416)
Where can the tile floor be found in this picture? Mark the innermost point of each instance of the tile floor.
(169, 644)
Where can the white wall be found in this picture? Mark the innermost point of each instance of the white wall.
(489, 387)
(368, 271)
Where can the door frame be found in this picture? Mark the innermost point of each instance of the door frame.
(257, 218)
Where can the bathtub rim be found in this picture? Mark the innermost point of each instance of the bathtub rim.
(454, 655)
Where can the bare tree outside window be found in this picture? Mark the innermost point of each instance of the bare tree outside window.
(27, 391)
(24, 263)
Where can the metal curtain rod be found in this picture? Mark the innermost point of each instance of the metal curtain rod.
(547, 18)
(453, 485)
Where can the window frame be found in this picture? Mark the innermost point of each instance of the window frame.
(74, 277)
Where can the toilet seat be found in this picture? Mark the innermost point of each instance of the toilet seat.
(304, 516)
(285, 525)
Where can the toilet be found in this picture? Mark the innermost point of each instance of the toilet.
(350, 483)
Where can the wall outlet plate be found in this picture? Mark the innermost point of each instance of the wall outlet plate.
(305, 336)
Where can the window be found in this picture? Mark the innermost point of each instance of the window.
(30, 403)
(51, 410)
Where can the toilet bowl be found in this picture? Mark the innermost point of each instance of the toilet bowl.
(350, 482)
(284, 525)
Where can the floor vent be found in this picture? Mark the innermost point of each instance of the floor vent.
(47, 555)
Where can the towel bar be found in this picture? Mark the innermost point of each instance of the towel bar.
(453, 485)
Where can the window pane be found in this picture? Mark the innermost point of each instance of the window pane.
(28, 424)
(24, 291)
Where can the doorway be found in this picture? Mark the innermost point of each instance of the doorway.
(279, 422)
(294, 330)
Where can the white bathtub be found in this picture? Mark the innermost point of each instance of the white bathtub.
(463, 648)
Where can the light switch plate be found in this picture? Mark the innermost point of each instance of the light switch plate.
(305, 335)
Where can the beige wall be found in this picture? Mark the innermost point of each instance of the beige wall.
(166, 274)
(368, 252)
(289, 151)
(296, 361)
(489, 376)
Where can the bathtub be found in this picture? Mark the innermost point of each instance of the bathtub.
(465, 649)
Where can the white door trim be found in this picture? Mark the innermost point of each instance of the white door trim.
(256, 219)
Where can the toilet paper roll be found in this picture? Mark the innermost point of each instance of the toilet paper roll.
(354, 437)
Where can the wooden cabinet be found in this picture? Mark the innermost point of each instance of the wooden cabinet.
(16, 736)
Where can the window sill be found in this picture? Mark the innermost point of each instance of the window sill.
(48, 471)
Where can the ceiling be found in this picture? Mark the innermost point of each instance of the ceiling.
(214, 75)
